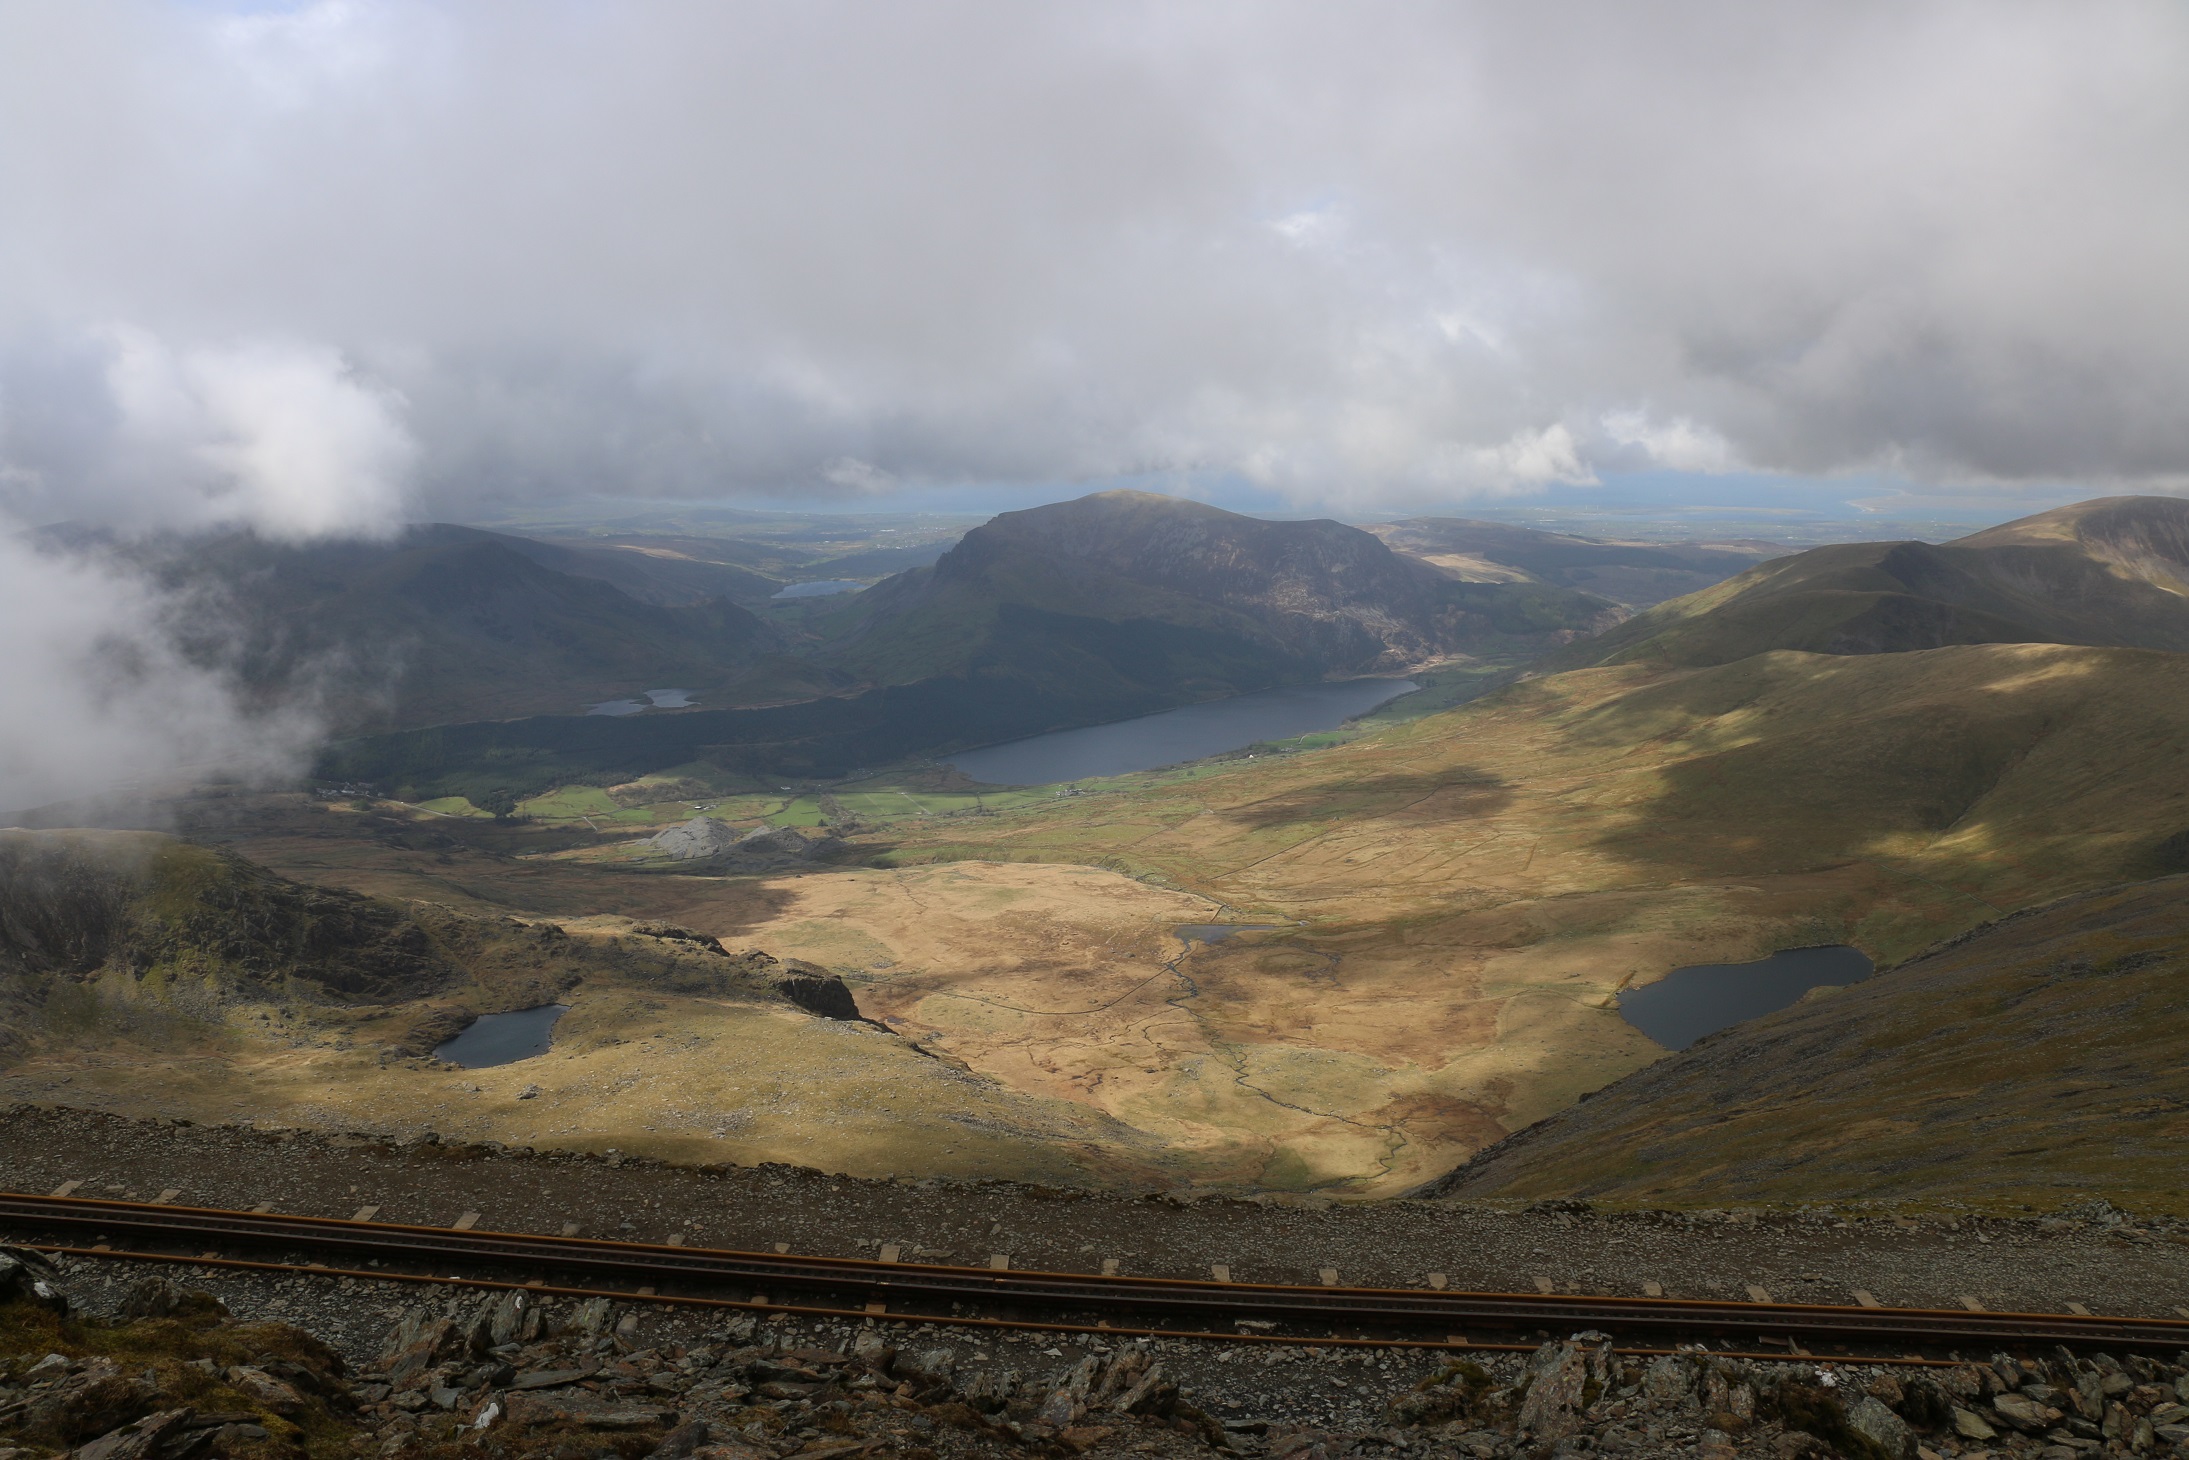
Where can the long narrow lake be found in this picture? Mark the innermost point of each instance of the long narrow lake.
(1183, 734)
(1703, 998)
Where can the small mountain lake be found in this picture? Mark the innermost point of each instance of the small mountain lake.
(820, 588)
(503, 1039)
(1171, 736)
(656, 699)
(1192, 933)
(1703, 998)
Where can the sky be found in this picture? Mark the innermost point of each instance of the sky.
(320, 268)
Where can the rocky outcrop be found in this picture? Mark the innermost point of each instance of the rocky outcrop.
(75, 902)
(818, 992)
(704, 838)
(26, 1277)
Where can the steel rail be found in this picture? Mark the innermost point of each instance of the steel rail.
(1450, 1344)
(1144, 1300)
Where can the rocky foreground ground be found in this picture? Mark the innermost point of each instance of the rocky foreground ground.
(166, 1362)
(101, 1361)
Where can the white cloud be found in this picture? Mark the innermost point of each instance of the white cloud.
(1676, 445)
(283, 440)
(98, 694)
(132, 433)
(1527, 461)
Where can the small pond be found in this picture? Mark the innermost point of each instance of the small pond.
(1688, 1003)
(820, 588)
(1183, 734)
(1191, 933)
(503, 1039)
(656, 699)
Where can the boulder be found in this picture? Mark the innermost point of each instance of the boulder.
(262, 1388)
(2025, 1413)
(1068, 1401)
(420, 1342)
(822, 993)
(1561, 1376)
(1669, 1379)
(97, 1397)
(139, 1439)
(25, 1276)
(1869, 1418)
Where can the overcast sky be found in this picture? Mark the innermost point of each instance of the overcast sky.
(318, 266)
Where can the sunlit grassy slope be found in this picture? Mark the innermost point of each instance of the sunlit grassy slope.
(1461, 897)
(2038, 1062)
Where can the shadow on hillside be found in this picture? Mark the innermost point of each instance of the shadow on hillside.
(1455, 791)
(1795, 764)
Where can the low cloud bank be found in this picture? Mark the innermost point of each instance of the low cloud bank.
(113, 680)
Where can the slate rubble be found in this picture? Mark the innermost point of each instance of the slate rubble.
(503, 1374)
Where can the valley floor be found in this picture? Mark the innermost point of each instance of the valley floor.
(1441, 911)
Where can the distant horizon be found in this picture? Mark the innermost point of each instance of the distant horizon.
(1651, 505)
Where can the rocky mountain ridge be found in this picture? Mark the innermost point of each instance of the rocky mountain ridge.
(2112, 572)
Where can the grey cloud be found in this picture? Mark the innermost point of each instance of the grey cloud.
(1372, 250)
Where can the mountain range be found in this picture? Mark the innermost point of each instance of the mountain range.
(1637, 574)
(447, 623)
(2112, 572)
(1132, 595)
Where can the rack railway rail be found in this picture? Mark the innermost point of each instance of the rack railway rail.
(858, 1288)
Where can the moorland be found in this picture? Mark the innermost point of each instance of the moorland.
(1435, 908)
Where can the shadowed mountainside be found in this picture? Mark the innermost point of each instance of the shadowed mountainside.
(448, 624)
(1115, 605)
(1637, 574)
(2036, 1059)
(2112, 572)
(1124, 595)
(106, 934)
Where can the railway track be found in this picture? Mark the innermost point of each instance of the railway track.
(1052, 1301)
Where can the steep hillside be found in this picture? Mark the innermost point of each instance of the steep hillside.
(1454, 903)
(2037, 1060)
(110, 937)
(450, 624)
(1144, 599)
(2109, 572)
(1637, 574)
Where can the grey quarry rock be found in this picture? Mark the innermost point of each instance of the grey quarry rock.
(1881, 1427)
(702, 836)
(27, 1276)
(1562, 1374)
